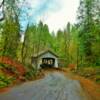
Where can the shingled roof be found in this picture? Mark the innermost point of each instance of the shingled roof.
(44, 52)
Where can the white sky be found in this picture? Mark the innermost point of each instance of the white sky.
(55, 13)
(67, 12)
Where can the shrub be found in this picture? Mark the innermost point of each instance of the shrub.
(5, 81)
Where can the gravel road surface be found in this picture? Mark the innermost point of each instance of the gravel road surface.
(54, 86)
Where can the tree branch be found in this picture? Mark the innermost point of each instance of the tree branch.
(2, 4)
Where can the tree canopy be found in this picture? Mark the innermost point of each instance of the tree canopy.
(77, 43)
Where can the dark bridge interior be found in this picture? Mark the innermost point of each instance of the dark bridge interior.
(47, 62)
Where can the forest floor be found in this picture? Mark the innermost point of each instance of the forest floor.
(57, 84)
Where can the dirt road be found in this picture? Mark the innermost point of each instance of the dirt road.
(54, 86)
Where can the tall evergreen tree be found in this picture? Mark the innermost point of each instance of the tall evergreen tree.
(11, 28)
(86, 25)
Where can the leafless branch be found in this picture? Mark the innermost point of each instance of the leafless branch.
(2, 5)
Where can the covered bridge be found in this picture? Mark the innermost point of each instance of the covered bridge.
(45, 59)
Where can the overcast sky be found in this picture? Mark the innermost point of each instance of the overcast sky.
(55, 13)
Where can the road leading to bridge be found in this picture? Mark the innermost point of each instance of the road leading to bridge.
(54, 86)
